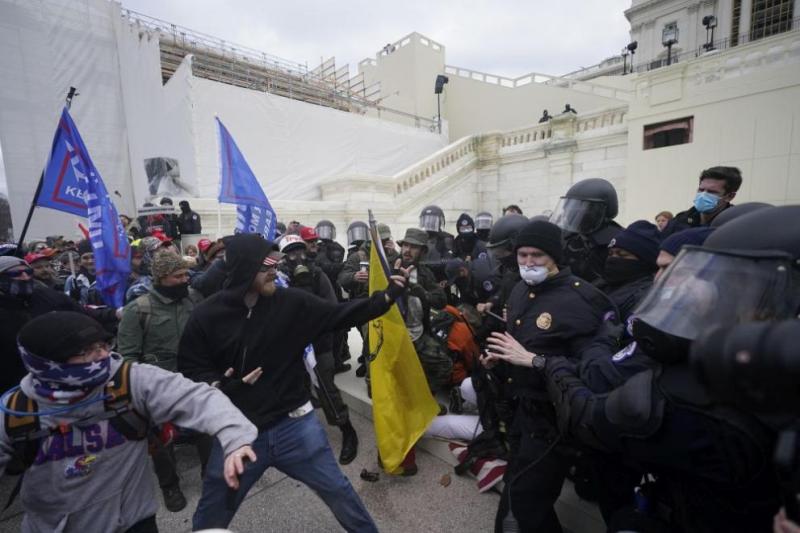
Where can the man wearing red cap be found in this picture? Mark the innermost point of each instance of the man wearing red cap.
(43, 270)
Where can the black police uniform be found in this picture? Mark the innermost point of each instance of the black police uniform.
(557, 317)
(330, 258)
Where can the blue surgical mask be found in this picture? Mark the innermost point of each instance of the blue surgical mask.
(705, 202)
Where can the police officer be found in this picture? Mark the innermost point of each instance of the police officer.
(330, 258)
(711, 460)
(306, 276)
(586, 215)
(467, 245)
(549, 312)
(357, 234)
(483, 225)
(439, 245)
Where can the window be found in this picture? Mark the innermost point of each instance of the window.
(770, 17)
(737, 14)
(670, 133)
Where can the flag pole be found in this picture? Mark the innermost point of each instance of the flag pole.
(70, 94)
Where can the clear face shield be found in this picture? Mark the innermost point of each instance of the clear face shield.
(578, 215)
(356, 233)
(431, 222)
(326, 232)
(704, 288)
(483, 222)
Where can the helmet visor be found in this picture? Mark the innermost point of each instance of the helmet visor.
(483, 222)
(326, 232)
(578, 215)
(431, 222)
(704, 288)
(356, 233)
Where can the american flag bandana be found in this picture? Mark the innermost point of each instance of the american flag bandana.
(64, 382)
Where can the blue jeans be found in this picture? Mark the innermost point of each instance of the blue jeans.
(299, 448)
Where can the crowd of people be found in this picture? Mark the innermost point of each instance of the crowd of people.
(559, 344)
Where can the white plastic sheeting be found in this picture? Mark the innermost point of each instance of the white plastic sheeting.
(125, 115)
(47, 46)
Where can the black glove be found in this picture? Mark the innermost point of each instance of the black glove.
(394, 291)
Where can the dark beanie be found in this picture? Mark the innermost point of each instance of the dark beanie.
(465, 221)
(693, 236)
(84, 247)
(543, 235)
(641, 238)
(59, 335)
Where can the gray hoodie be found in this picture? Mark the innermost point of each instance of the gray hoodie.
(95, 479)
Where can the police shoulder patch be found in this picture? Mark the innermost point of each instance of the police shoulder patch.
(487, 286)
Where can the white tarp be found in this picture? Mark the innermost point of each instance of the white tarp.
(125, 115)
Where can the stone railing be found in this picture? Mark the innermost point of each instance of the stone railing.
(575, 127)
(546, 79)
(400, 43)
(459, 153)
(602, 119)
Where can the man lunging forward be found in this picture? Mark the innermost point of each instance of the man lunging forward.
(261, 332)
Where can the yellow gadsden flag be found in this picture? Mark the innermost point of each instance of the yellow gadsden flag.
(402, 404)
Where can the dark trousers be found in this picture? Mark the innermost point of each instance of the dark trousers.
(534, 476)
(330, 398)
(147, 525)
(341, 350)
(165, 465)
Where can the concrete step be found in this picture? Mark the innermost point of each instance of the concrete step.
(574, 513)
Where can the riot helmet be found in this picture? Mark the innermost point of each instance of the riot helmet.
(326, 230)
(586, 207)
(483, 220)
(505, 230)
(432, 219)
(741, 274)
(357, 233)
(735, 211)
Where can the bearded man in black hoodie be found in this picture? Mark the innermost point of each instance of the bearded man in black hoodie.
(249, 339)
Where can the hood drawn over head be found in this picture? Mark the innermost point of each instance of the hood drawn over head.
(244, 254)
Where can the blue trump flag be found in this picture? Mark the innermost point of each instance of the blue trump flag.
(238, 185)
(73, 184)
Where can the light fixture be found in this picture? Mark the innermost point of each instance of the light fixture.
(441, 80)
(710, 22)
(669, 37)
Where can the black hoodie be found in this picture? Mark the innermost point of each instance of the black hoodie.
(224, 333)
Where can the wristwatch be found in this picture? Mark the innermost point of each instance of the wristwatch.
(538, 362)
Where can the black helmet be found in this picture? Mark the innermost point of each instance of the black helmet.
(742, 273)
(505, 230)
(326, 230)
(586, 206)
(735, 211)
(483, 220)
(432, 218)
(357, 233)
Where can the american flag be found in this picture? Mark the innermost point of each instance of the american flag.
(63, 381)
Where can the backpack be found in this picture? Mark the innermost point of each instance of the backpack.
(144, 307)
(26, 433)
(454, 333)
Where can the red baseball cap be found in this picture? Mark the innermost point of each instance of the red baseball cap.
(203, 244)
(308, 233)
(45, 253)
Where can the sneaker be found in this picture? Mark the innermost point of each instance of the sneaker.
(361, 371)
(174, 500)
(349, 445)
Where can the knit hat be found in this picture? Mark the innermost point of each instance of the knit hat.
(543, 235)
(165, 263)
(641, 239)
(465, 224)
(8, 262)
(693, 236)
(59, 335)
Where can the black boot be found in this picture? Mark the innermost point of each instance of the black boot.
(174, 500)
(349, 444)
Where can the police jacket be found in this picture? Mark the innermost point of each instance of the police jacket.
(627, 295)
(189, 223)
(469, 249)
(346, 277)
(330, 258)
(556, 317)
(662, 420)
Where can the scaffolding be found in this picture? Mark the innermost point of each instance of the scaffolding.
(224, 62)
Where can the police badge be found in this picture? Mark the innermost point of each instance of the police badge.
(544, 321)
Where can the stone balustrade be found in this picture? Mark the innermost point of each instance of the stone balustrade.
(462, 151)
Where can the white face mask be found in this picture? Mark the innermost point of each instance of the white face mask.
(533, 275)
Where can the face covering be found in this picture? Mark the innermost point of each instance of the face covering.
(49, 376)
(705, 202)
(533, 275)
(16, 288)
(619, 270)
(175, 292)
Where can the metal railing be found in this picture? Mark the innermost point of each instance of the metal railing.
(722, 44)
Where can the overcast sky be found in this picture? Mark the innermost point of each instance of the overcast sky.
(504, 37)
